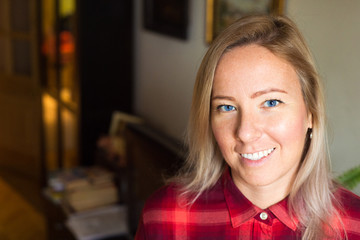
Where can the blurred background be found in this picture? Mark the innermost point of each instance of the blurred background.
(67, 65)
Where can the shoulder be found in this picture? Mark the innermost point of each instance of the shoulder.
(171, 200)
(350, 212)
(172, 196)
(156, 215)
(167, 212)
(349, 201)
(162, 205)
(162, 198)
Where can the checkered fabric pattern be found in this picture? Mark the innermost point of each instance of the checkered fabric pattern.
(224, 212)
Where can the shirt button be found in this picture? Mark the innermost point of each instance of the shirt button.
(263, 216)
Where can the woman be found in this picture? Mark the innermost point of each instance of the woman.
(258, 165)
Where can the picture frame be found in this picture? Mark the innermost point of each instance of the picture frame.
(168, 17)
(221, 13)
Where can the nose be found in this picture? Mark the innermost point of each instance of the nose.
(248, 128)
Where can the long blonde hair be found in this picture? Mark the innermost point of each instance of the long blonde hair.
(311, 198)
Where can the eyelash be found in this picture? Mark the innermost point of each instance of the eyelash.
(278, 101)
(221, 106)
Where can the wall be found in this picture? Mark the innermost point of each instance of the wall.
(332, 29)
(166, 68)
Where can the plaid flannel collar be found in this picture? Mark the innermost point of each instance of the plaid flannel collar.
(242, 210)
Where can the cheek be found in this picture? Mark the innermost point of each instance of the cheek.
(222, 133)
(291, 129)
(219, 132)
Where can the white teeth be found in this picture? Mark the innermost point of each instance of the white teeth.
(257, 155)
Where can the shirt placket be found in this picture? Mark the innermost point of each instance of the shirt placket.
(262, 226)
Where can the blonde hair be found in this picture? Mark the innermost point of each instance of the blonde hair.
(311, 198)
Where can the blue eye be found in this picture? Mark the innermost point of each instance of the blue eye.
(272, 103)
(226, 108)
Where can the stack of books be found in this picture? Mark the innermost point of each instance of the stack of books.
(86, 188)
(97, 189)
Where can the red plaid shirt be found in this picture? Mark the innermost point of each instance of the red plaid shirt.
(225, 213)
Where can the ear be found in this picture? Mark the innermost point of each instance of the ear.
(310, 122)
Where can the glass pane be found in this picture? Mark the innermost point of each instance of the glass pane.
(21, 57)
(67, 52)
(70, 144)
(49, 44)
(50, 132)
(20, 15)
(68, 71)
(3, 15)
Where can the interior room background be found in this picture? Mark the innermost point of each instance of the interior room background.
(160, 69)
(165, 70)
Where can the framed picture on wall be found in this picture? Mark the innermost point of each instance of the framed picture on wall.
(169, 17)
(221, 13)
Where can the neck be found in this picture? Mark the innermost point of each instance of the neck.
(264, 196)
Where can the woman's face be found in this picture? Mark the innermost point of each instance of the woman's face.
(258, 117)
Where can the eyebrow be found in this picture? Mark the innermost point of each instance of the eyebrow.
(269, 90)
(223, 98)
(254, 95)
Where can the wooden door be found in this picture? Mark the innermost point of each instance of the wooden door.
(20, 89)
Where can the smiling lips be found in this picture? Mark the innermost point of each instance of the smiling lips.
(257, 155)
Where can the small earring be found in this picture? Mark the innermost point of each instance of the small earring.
(310, 130)
(310, 135)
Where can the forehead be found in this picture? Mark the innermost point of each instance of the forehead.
(252, 67)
